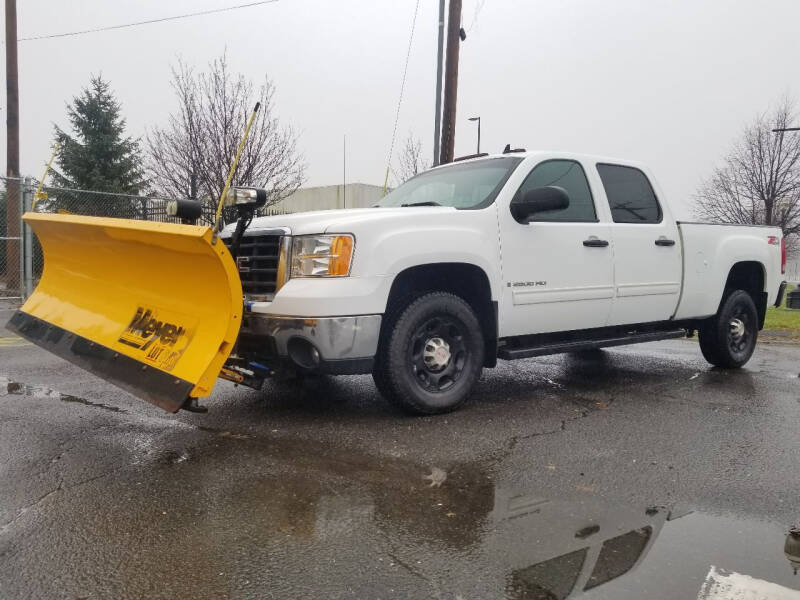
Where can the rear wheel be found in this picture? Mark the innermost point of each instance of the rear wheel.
(431, 356)
(728, 339)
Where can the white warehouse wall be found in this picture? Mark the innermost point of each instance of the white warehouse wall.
(354, 195)
(793, 270)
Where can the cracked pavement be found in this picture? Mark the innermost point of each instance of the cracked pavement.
(321, 489)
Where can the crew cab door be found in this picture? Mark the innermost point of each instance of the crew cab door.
(557, 265)
(647, 249)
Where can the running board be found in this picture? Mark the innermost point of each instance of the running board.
(580, 345)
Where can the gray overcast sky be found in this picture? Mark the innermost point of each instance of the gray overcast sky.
(670, 83)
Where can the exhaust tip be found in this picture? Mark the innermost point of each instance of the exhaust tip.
(303, 353)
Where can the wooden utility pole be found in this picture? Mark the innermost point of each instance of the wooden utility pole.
(451, 81)
(12, 265)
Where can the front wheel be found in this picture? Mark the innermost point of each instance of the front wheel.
(432, 355)
(728, 339)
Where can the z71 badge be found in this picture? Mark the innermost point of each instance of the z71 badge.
(160, 337)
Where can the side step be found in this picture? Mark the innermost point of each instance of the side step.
(580, 345)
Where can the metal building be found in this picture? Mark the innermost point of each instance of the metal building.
(353, 195)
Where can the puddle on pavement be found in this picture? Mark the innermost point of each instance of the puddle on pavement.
(249, 516)
(9, 387)
(530, 547)
(306, 516)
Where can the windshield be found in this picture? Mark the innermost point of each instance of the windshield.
(472, 184)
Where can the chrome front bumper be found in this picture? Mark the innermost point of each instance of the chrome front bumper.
(344, 344)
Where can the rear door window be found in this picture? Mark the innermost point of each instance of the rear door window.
(630, 195)
(618, 555)
(549, 580)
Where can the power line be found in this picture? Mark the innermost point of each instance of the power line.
(400, 99)
(478, 8)
(147, 22)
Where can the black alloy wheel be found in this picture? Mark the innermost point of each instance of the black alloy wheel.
(430, 355)
(728, 339)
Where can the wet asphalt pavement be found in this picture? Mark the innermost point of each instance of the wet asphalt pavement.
(632, 473)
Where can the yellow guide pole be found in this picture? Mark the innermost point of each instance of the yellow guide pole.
(44, 176)
(233, 168)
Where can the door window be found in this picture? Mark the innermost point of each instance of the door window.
(630, 195)
(569, 175)
(551, 579)
(618, 555)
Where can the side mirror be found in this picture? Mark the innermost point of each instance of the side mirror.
(538, 200)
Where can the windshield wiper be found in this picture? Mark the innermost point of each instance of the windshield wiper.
(426, 203)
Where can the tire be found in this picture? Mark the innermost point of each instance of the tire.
(728, 339)
(381, 380)
(431, 355)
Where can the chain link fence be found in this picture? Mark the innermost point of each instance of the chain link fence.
(21, 260)
(106, 204)
(11, 243)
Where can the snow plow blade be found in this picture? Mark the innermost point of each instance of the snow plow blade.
(154, 308)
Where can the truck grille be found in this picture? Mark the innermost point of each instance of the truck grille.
(259, 261)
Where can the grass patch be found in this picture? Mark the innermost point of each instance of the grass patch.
(782, 318)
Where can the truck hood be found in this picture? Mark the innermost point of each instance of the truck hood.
(345, 220)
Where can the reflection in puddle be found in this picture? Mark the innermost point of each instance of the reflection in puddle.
(560, 549)
(15, 388)
(367, 523)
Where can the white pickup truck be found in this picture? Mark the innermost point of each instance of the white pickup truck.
(497, 257)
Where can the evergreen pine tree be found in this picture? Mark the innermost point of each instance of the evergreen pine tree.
(97, 156)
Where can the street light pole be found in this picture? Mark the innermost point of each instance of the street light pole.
(437, 124)
(478, 119)
(344, 171)
(782, 131)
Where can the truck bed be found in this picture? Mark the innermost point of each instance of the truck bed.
(709, 252)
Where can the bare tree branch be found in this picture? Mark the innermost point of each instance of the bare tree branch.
(759, 181)
(191, 156)
(410, 161)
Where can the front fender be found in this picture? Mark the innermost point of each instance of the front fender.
(471, 240)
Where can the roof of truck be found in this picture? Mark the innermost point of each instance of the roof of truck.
(585, 158)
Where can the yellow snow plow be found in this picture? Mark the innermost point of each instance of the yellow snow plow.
(153, 307)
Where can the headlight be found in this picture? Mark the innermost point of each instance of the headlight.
(239, 196)
(321, 255)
